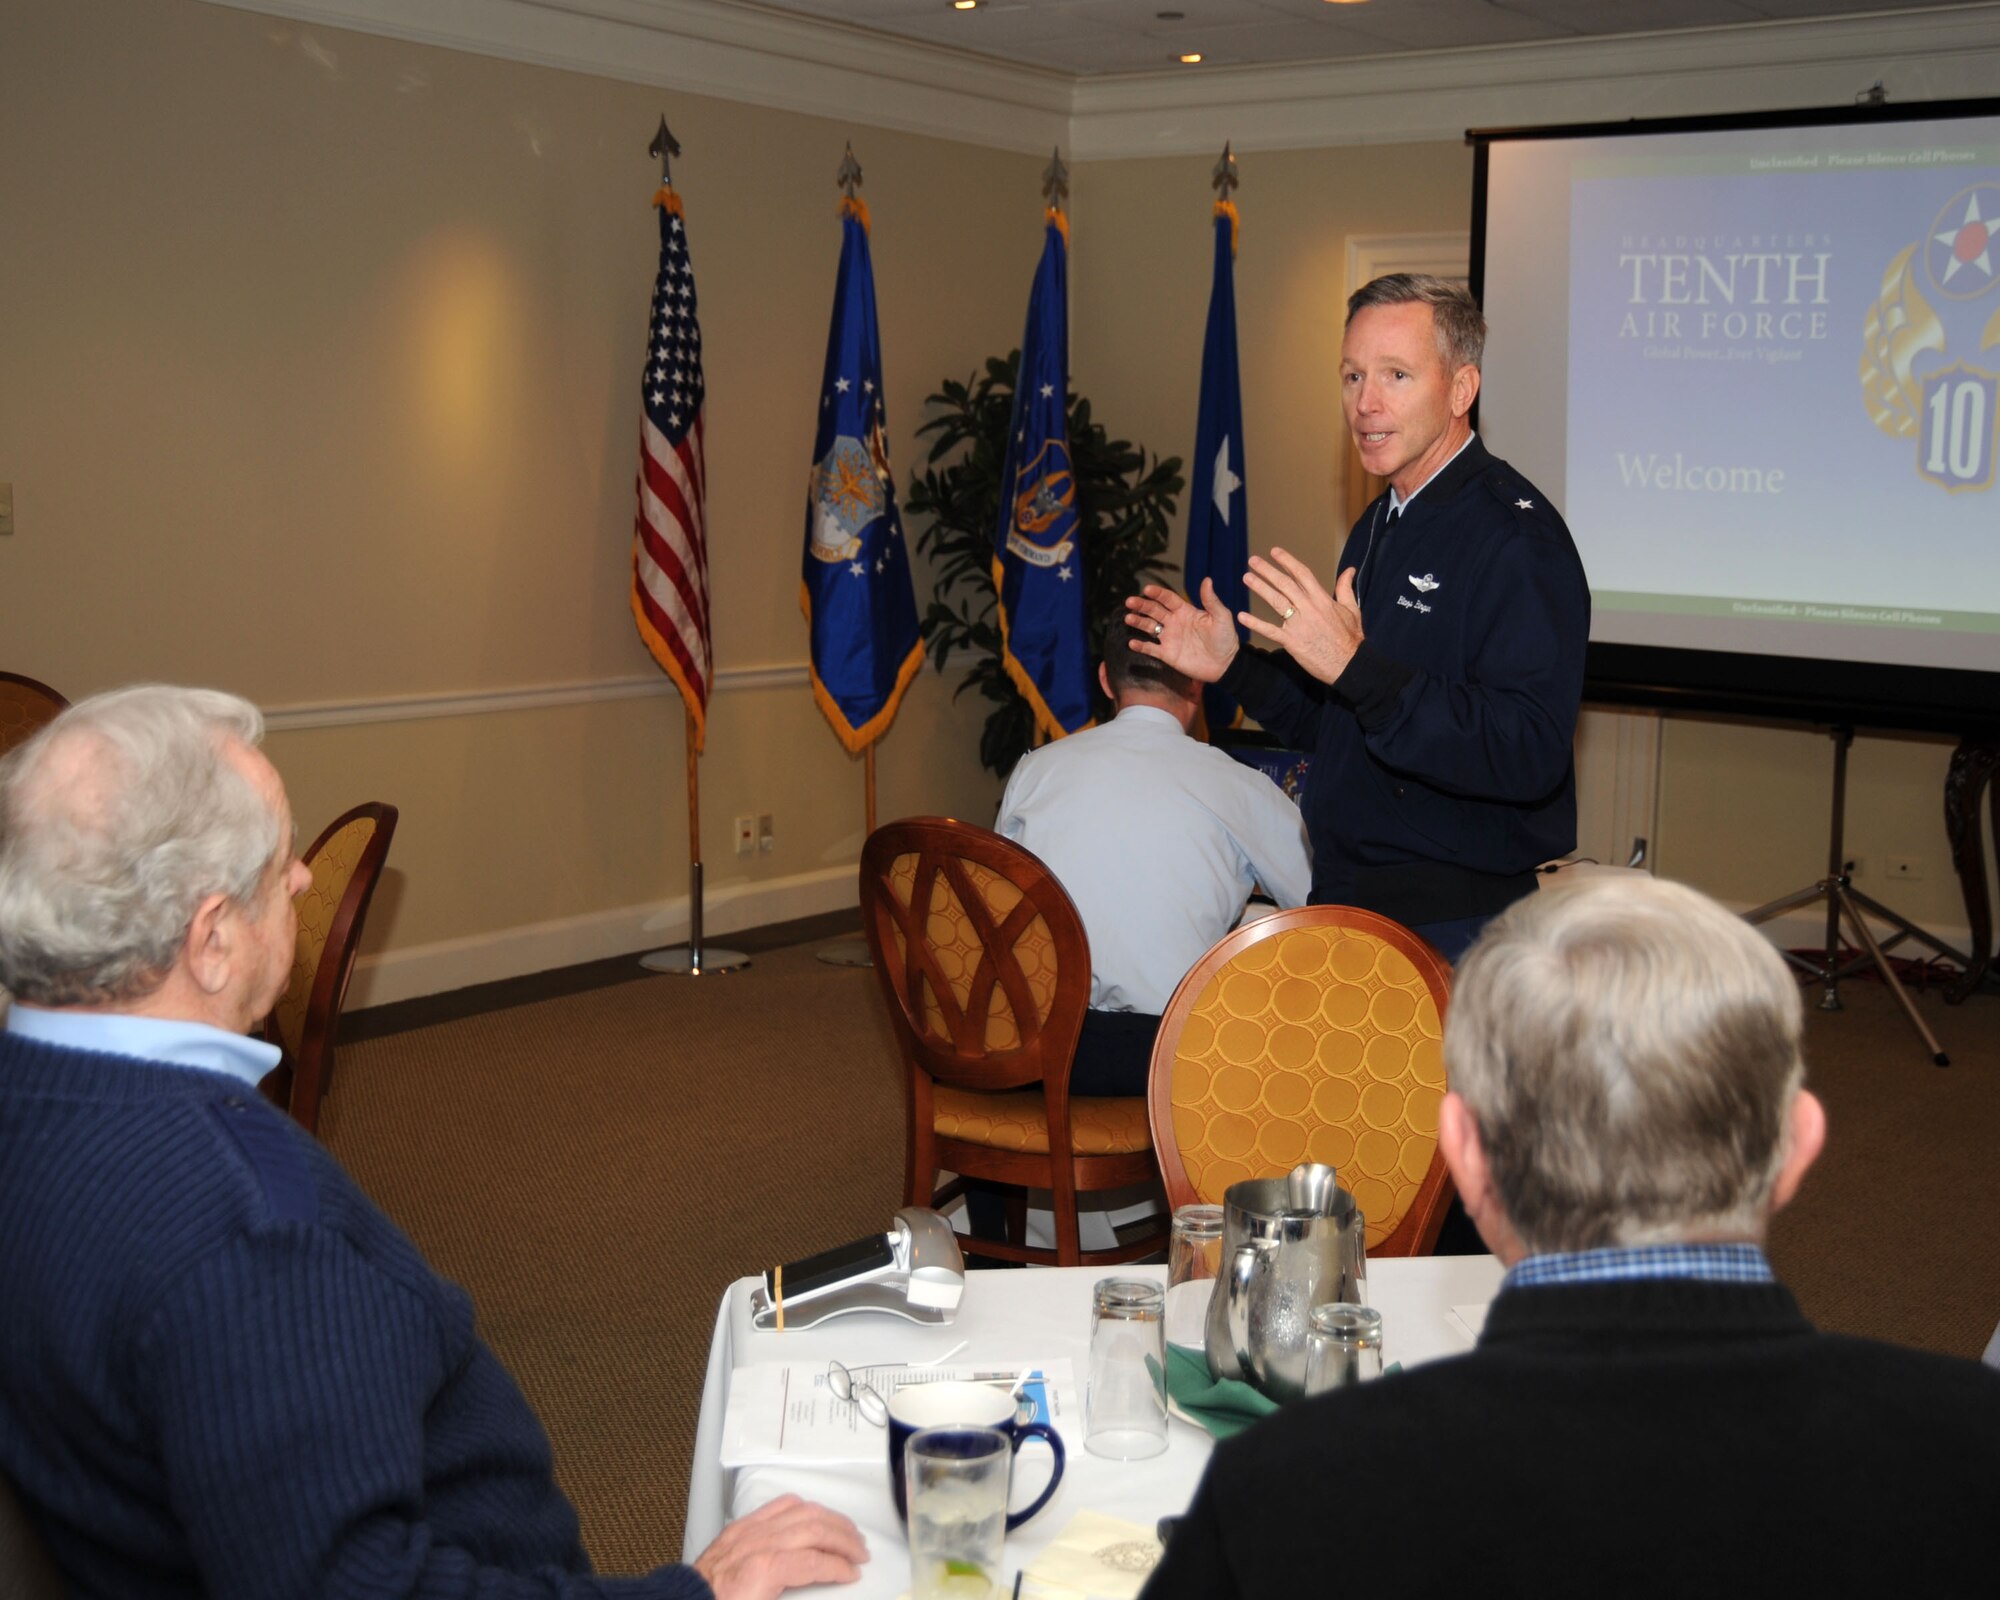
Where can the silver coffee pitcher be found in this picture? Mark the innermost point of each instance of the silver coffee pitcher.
(1288, 1244)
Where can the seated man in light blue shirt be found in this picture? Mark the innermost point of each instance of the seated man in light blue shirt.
(1158, 839)
(223, 1372)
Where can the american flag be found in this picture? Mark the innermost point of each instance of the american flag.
(669, 546)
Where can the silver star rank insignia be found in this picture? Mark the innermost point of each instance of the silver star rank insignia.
(1524, 505)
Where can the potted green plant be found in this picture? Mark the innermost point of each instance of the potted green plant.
(1125, 503)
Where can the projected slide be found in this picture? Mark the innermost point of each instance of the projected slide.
(1773, 341)
(1760, 367)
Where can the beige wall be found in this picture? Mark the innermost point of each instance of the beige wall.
(325, 354)
(323, 351)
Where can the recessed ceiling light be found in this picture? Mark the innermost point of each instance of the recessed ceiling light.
(964, 5)
(1346, 2)
(1190, 58)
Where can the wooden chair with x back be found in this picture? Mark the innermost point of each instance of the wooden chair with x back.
(986, 972)
(26, 705)
(346, 862)
(1312, 1035)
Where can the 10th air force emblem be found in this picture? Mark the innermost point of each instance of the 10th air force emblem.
(1044, 527)
(1925, 336)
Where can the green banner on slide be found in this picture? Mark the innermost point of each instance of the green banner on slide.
(1821, 611)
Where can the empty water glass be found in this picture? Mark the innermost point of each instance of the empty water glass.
(1125, 1402)
(1194, 1261)
(1344, 1347)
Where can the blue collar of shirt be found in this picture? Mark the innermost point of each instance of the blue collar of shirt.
(1714, 1263)
(1397, 504)
(155, 1039)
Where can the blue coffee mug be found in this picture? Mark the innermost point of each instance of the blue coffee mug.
(951, 1404)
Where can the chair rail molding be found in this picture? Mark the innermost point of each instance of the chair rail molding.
(526, 697)
(758, 56)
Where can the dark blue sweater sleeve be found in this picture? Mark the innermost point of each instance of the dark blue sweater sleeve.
(329, 1430)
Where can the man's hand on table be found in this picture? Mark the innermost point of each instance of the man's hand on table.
(784, 1545)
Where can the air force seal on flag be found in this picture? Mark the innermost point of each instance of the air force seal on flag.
(1044, 528)
(848, 495)
(1951, 411)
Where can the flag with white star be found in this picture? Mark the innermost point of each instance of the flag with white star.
(1218, 541)
(1038, 557)
(856, 590)
(669, 544)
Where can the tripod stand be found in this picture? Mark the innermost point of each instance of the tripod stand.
(1843, 898)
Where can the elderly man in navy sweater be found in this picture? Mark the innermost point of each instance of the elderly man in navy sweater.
(223, 1372)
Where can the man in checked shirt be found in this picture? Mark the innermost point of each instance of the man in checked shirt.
(1647, 1413)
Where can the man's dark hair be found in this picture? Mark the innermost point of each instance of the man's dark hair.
(1127, 669)
(1461, 327)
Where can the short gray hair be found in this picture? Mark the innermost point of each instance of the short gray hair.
(1461, 325)
(1629, 1051)
(116, 821)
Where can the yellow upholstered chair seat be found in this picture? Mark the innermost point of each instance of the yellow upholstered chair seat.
(1314, 1035)
(1018, 1121)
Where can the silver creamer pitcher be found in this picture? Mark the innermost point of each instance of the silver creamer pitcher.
(1288, 1244)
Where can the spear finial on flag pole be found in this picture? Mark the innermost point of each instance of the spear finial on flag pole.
(849, 176)
(666, 147)
(1225, 177)
(1055, 181)
(670, 534)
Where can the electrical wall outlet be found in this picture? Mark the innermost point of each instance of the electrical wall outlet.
(746, 835)
(1909, 869)
(767, 841)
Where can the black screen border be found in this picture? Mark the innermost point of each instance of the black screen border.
(1788, 688)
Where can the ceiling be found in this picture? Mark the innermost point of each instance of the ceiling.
(1096, 38)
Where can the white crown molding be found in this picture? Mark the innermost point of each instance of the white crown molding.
(532, 697)
(748, 53)
(1937, 53)
(737, 52)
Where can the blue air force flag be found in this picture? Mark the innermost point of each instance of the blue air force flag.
(1218, 541)
(856, 588)
(1037, 560)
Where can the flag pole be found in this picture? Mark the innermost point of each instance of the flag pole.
(686, 659)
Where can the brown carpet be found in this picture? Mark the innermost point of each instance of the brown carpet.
(596, 1168)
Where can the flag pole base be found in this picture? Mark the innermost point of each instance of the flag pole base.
(846, 953)
(682, 962)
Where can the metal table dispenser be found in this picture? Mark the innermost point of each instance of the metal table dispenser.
(913, 1271)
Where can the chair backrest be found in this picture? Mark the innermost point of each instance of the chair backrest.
(1311, 1035)
(346, 862)
(980, 954)
(26, 1572)
(25, 705)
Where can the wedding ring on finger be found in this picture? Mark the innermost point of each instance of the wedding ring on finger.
(1290, 612)
(1158, 629)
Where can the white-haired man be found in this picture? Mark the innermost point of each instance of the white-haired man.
(223, 1372)
(1646, 1413)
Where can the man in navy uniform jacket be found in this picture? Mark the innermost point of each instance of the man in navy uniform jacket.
(1646, 1412)
(223, 1372)
(1437, 685)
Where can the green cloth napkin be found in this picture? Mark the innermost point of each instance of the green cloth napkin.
(1224, 1408)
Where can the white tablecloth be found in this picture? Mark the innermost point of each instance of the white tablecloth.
(1041, 1314)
